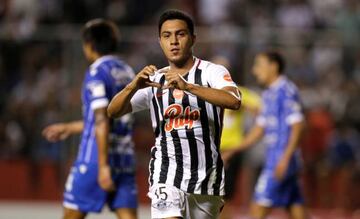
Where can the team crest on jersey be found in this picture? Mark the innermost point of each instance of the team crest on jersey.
(227, 77)
(178, 117)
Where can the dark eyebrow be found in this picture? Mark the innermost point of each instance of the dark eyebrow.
(177, 31)
(181, 30)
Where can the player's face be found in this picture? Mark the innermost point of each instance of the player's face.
(262, 69)
(176, 41)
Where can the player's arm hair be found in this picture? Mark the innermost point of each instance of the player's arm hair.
(294, 138)
(102, 128)
(120, 104)
(75, 127)
(227, 97)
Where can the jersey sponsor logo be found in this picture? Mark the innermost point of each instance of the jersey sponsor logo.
(178, 94)
(227, 77)
(178, 117)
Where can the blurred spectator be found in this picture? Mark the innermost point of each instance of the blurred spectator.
(324, 11)
(314, 148)
(295, 14)
(213, 12)
(348, 24)
(343, 160)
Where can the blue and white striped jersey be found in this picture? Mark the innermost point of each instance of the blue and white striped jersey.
(103, 80)
(281, 109)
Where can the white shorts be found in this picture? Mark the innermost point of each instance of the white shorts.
(169, 201)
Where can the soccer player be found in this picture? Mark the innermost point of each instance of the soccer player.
(104, 169)
(186, 102)
(280, 122)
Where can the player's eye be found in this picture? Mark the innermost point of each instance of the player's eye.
(166, 36)
(181, 34)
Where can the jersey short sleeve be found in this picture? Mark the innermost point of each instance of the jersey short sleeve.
(292, 108)
(141, 100)
(220, 77)
(96, 85)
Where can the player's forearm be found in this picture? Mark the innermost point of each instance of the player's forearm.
(252, 137)
(102, 134)
(75, 127)
(120, 104)
(218, 97)
(296, 130)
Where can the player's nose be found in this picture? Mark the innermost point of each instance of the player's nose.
(174, 40)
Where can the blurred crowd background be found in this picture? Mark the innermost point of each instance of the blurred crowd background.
(42, 66)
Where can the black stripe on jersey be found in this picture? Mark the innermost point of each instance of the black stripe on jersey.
(156, 111)
(164, 154)
(153, 152)
(206, 134)
(219, 162)
(190, 135)
(179, 172)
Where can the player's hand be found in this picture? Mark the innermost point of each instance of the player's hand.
(226, 155)
(56, 132)
(142, 79)
(104, 178)
(175, 80)
(281, 168)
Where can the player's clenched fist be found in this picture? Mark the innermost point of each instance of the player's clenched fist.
(175, 80)
(142, 79)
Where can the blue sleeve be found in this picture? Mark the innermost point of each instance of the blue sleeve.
(292, 107)
(96, 88)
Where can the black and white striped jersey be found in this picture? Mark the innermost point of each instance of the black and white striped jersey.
(188, 130)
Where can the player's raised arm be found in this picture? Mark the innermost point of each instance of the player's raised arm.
(120, 104)
(225, 95)
(61, 131)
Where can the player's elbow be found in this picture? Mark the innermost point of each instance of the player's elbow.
(235, 104)
(111, 112)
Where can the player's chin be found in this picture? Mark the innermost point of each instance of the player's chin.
(177, 59)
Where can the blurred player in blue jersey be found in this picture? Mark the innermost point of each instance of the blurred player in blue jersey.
(280, 123)
(104, 169)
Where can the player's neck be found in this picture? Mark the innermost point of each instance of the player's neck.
(184, 67)
(94, 57)
(273, 80)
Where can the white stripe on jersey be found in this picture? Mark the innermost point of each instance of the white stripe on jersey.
(89, 146)
(186, 159)
(89, 143)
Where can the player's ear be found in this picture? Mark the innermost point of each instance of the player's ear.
(193, 37)
(159, 40)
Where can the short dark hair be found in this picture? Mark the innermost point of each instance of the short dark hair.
(102, 34)
(274, 56)
(176, 14)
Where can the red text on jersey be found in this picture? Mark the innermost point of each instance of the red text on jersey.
(178, 118)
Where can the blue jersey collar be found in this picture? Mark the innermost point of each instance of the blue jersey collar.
(101, 60)
(278, 82)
